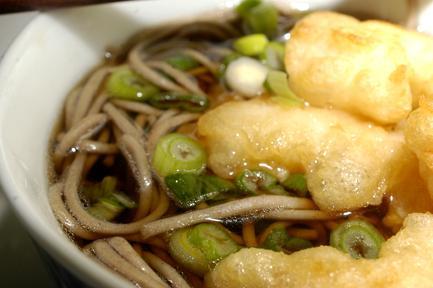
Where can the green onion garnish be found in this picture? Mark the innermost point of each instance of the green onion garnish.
(213, 242)
(106, 209)
(105, 202)
(357, 238)
(279, 240)
(278, 84)
(174, 100)
(128, 85)
(296, 244)
(251, 181)
(189, 189)
(276, 239)
(182, 62)
(273, 55)
(178, 153)
(214, 187)
(108, 185)
(200, 247)
(187, 254)
(283, 101)
(261, 18)
(251, 45)
(185, 189)
(276, 189)
(246, 6)
(297, 183)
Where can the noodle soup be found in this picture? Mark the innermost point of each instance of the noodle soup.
(191, 143)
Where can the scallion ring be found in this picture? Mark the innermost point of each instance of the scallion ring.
(178, 153)
(357, 238)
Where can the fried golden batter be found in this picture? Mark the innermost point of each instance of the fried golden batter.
(418, 47)
(372, 69)
(405, 260)
(407, 194)
(348, 163)
(335, 60)
(419, 136)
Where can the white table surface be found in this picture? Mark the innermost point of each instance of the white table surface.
(20, 263)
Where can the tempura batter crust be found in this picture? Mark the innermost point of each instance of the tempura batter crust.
(405, 260)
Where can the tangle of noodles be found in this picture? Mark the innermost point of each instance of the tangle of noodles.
(104, 136)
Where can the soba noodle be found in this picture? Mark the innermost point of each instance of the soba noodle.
(102, 136)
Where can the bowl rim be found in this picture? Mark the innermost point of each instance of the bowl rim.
(84, 269)
(73, 260)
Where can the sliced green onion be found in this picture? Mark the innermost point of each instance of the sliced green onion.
(128, 85)
(213, 241)
(296, 244)
(277, 189)
(279, 85)
(187, 254)
(200, 247)
(279, 240)
(245, 6)
(276, 239)
(94, 192)
(106, 209)
(262, 18)
(213, 185)
(186, 189)
(182, 62)
(178, 153)
(297, 183)
(109, 207)
(108, 185)
(251, 181)
(273, 55)
(283, 101)
(172, 100)
(190, 189)
(105, 202)
(357, 238)
(251, 45)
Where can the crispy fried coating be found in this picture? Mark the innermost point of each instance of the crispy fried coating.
(405, 260)
(348, 163)
(335, 60)
(407, 194)
(418, 47)
(419, 136)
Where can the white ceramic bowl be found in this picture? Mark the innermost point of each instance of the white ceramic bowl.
(53, 52)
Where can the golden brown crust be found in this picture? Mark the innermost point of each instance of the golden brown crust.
(405, 260)
(337, 151)
(335, 60)
(418, 47)
(419, 137)
(374, 69)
